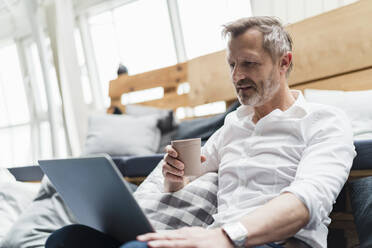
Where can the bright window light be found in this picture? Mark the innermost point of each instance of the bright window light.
(38, 80)
(123, 35)
(11, 81)
(210, 108)
(86, 86)
(4, 120)
(142, 95)
(202, 23)
(21, 145)
(46, 142)
(62, 140)
(79, 48)
(184, 112)
(183, 88)
(144, 43)
(6, 157)
(87, 91)
(105, 49)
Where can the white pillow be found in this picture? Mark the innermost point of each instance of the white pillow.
(15, 197)
(166, 120)
(120, 135)
(356, 104)
(6, 176)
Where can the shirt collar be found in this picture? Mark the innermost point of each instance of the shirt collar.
(297, 110)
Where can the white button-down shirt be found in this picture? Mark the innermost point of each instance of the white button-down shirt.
(306, 150)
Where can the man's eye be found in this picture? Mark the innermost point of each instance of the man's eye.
(232, 65)
(249, 63)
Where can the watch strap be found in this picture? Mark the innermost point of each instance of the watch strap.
(236, 232)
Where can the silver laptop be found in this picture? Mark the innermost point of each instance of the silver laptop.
(98, 196)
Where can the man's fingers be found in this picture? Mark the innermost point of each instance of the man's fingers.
(176, 243)
(203, 158)
(165, 235)
(171, 151)
(170, 169)
(173, 178)
(174, 162)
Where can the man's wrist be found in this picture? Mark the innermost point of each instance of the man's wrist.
(227, 237)
(223, 239)
(174, 186)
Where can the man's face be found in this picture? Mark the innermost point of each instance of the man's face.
(255, 76)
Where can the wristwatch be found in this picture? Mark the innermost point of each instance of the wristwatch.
(237, 233)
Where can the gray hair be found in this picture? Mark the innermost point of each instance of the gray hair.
(276, 40)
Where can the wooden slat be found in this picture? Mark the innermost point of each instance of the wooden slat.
(360, 173)
(335, 42)
(165, 77)
(209, 78)
(361, 80)
(341, 216)
(343, 224)
(170, 101)
(135, 180)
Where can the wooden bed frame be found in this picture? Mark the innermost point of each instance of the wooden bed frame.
(331, 51)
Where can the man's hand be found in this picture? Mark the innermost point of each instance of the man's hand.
(173, 170)
(187, 237)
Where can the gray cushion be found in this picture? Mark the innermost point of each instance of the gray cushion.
(15, 197)
(165, 140)
(122, 135)
(194, 205)
(46, 214)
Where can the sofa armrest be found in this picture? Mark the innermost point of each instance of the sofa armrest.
(137, 166)
(129, 166)
(31, 173)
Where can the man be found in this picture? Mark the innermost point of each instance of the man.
(281, 161)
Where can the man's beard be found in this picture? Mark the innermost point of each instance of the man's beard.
(259, 93)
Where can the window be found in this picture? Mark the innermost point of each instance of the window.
(142, 95)
(15, 131)
(41, 118)
(37, 78)
(12, 86)
(137, 34)
(202, 23)
(144, 35)
(87, 91)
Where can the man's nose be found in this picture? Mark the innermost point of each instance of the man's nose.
(237, 74)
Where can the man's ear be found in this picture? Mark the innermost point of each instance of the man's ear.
(285, 62)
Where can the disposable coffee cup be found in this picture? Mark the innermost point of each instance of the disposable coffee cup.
(188, 151)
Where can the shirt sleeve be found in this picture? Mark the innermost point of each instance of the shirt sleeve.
(210, 151)
(325, 164)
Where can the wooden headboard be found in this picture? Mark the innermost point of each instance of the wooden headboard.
(198, 72)
(331, 51)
